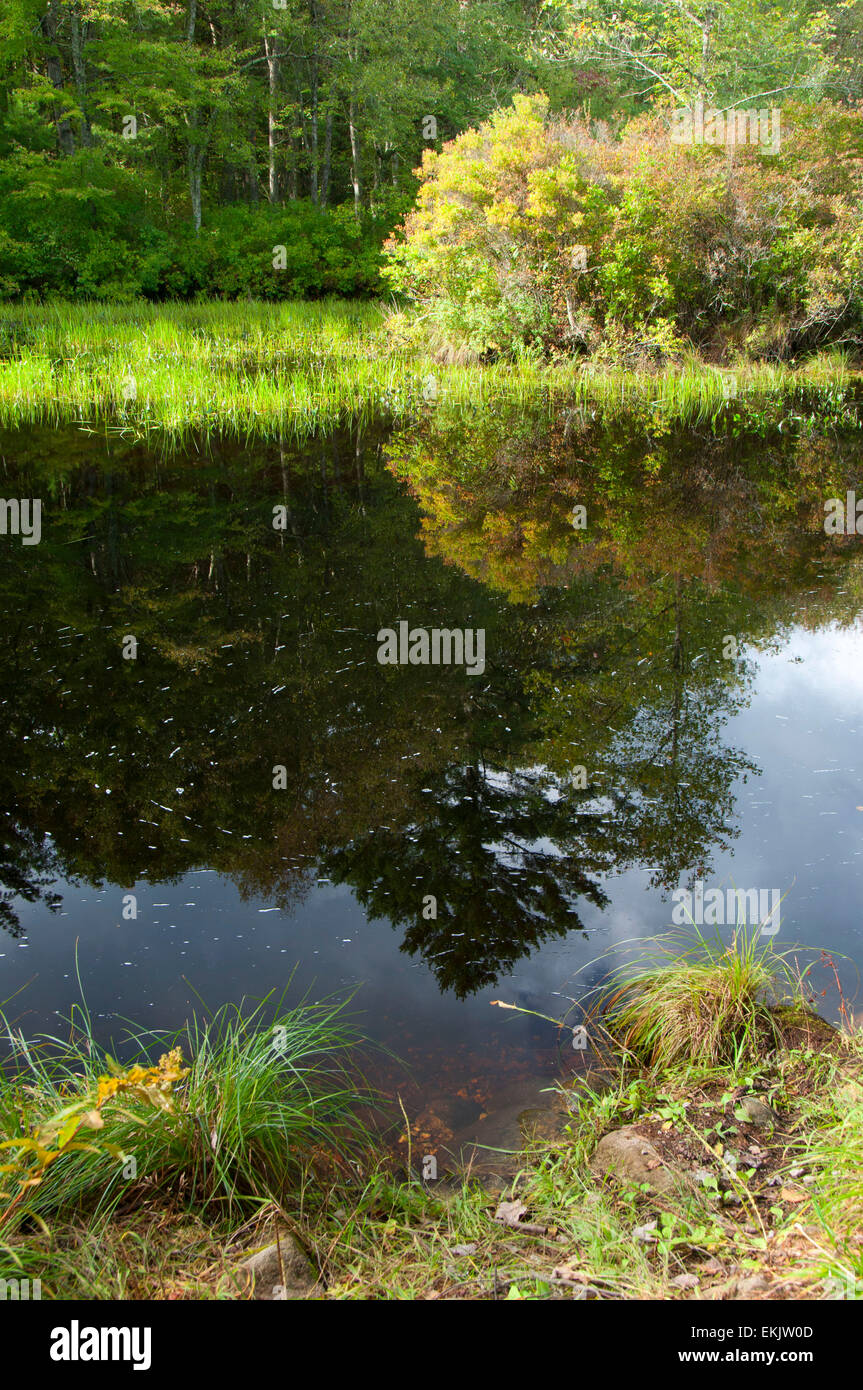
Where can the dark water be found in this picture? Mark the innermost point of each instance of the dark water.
(606, 648)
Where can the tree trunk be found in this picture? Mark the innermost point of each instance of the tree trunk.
(355, 151)
(79, 68)
(196, 166)
(271, 51)
(54, 73)
(196, 150)
(313, 173)
(328, 160)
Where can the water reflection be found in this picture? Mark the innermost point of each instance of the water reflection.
(595, 744)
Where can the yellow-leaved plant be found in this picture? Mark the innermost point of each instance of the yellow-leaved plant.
(59, 1134)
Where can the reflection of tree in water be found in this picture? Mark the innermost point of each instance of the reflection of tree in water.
(504, 857)
(258, 647)
(28, 864)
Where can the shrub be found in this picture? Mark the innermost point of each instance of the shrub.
(534, 231)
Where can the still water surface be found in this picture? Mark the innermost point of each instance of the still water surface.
(606, 649)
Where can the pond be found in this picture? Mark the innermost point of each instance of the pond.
(214, 787)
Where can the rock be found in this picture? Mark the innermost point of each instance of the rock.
(279, 1279)
(728, 1164)
(757, 1113)
(630, 1157)
(704, 1177)
(646, 1233)
(737, 1288)
(536, 1125)
(745, 1288)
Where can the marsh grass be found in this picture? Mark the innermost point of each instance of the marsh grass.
(377, 1232)
(296, 367)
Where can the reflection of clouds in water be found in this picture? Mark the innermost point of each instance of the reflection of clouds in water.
(798, 819)
(830, 665)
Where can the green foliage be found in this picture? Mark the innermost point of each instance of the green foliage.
(230, 1131)
(704, 1004)
(81, 229)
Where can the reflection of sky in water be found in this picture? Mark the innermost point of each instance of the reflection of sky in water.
(197, 940)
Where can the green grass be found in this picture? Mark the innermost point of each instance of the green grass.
(256, 1106)
(699, 1000)
(294, 367)
(251, 1128)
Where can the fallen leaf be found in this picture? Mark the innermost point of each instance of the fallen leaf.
(510, 1213)
(647, 1232)
(568, 1274)
(788, 1194)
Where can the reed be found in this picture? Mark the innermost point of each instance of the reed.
(296, 367)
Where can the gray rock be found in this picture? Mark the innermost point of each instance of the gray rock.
(745, 1288)
(757, 1113)
(280, 1271)
(704, 1177)
(629, 1157)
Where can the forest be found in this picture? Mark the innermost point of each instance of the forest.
(165, 150)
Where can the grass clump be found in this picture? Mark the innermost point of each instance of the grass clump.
(699, 1001)
(234, 1128)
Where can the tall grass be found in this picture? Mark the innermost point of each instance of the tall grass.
(294, 367)
(258, 1104)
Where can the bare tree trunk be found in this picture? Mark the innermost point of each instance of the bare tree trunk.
(355, 151)
(54, 73)
(272, 56)
(195, 161)
(313, 172)
(196, 166)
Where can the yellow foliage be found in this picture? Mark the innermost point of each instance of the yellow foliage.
(57, 1135)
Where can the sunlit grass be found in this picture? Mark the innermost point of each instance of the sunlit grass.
(295, 367)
